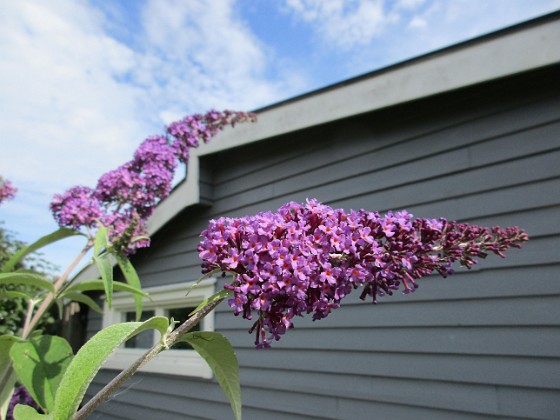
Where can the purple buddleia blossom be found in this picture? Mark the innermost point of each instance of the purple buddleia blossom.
(307, 258)
(7, 190)
(129, 194)
(20, 396)
(190, 130)
(75, 208)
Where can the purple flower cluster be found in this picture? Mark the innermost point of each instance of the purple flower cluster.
(7, 190)
(193, 128)
(20, 396)
(306, 258)
(128, 195)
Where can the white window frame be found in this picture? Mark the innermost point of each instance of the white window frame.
(170, 362)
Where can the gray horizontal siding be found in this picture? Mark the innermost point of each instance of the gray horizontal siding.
(484, 343)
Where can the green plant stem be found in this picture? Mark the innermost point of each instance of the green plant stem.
(6, 374)
(122, 377)
(31, 322)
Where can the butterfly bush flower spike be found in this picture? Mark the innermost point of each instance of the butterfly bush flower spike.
(305, 258)
(126, 197)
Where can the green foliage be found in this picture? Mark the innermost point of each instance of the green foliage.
(91, 357)
(222, 294)
(29, 279)
(16, 291)
(132, 279)
(8, 377)
(101, 257)
(23, 251)
(24, 412)
(40, 364)
(99, 285)
(220, 356)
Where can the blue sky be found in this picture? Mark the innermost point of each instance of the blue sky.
(84, 82)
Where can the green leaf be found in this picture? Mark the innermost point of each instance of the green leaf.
(91, 357)
(11, 294)
(220, 356)
(6, 394)
(40, 364)
(132, 279)
(7, 375)
(85, 299)
(101, 240)
(25, 412)
(44, 241)
(26, 278)
(93, 285)
(222, 294)
(105, 268)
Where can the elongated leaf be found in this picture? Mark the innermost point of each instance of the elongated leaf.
(26, 278)
(85, 299)
(101, 240)
(92, 285)
(106, 270)
(44, 241)
(6, 393)
(25, 412)
(132, 279)
(91, 357)
(222, 294)
(7, 375)
(12, 294)
(220, 356)
(40, 364)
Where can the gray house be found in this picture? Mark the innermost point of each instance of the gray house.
(470, 133)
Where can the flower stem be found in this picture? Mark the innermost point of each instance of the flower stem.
(122, 377)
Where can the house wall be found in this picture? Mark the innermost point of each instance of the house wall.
(482, 343)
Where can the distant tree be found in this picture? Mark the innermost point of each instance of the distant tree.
(12, 311)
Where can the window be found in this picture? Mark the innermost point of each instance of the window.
(168, 301)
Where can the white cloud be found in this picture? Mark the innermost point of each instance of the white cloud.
(344, 23)
(409, 4)
(208, 57)
(59, 94)
(417, 22)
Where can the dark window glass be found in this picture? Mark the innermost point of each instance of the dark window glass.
(145, 339)
(181, 315)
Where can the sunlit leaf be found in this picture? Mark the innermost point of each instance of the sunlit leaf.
(105, 268)
(101, 240)
(8, 377)
(222, 294)
(91, 357)
(44, 241)
(40, 364)
(220, 356)
(28, 279)
(132, 279)
(25, 412)
(12, 294)
(98, 285)
(85, 299)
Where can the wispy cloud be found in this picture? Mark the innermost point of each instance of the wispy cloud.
(375, 33)
(344, 23)
(203, 55)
